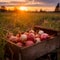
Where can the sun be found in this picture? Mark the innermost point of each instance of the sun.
(22, 8)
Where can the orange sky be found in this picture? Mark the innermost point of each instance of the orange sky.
(11, 0)
(43, 8)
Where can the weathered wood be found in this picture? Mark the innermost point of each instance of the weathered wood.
(37, 50)
(49, 31)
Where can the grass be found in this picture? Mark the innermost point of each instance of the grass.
(21, 21)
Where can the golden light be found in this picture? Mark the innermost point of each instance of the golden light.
(10, 8)
(22, 8)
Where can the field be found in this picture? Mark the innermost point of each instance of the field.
(21, 21)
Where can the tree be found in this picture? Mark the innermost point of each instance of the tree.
(3, 9)
(15, 9)
(41, 10)
(57, 9)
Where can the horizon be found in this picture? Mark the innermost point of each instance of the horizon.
(32, 4)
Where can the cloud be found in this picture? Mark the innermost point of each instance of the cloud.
(37, 2)
(47, 2)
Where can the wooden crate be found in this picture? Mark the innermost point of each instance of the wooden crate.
(14, 52)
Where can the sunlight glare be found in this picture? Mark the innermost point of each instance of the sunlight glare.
(22, 8)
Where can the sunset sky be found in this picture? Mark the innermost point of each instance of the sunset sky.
(48, 5)
(11, 0)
